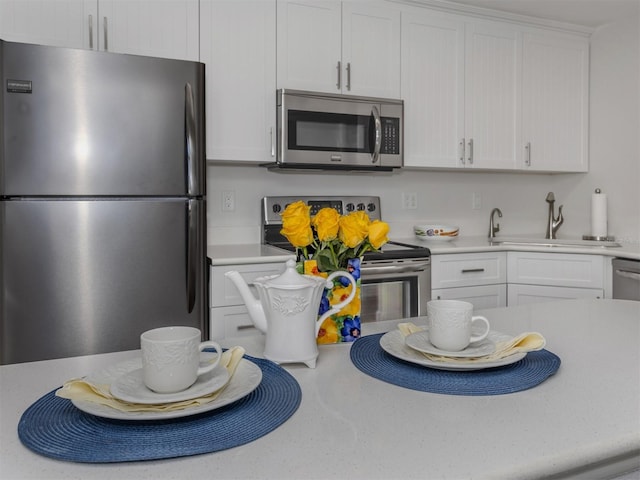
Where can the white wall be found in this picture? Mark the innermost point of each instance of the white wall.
(447, 196)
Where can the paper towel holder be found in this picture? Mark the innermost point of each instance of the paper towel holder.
(606, 238)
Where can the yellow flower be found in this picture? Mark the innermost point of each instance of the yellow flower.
(328, 332)
(378, 231)
(326, 223)
(296, 224)
(354, 228)
(340, 294)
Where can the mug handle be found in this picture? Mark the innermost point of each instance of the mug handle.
(339, 306)
(477, 338)
(211, 366)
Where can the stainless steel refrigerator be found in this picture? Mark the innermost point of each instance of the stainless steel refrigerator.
(102, 200)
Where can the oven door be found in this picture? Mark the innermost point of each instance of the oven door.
(394, 290)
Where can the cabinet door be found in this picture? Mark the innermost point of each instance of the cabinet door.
(156, 28)
(433, 89)
(238, 46)
(524, 294)
(309, 45)
(371, 49)
(483, 296)
(555, 102)
(492, 95)
(61, 23)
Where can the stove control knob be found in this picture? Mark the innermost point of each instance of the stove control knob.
(361, 206)
(350, 207)
(277, 208)
(371, 207)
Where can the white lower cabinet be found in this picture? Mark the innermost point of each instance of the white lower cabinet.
(478, 278)
(537, 277)
(229, 316)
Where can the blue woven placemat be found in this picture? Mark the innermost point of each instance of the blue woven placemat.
(54, 427)
(369, 357)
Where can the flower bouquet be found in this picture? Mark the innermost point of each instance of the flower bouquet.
(329, 242)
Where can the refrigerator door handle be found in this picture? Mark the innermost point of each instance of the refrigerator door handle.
(191, 256)
(190, 137)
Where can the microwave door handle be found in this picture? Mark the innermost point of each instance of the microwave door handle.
(375, 156)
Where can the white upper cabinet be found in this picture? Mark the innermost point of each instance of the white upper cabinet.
(156, 28)
(238, 47)
(61, 23)
(460, 84)
(350, 47)
(492, 95)
(433, 89)
(555, 102)
(160, 28)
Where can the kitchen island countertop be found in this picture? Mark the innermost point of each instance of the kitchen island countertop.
(584, 420)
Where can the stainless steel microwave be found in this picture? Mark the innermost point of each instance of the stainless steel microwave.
(325, 131)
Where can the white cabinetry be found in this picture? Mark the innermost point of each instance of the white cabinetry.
(229, 316)
(555, 102)
(479, 278)
(535, 277)
(461, 86)
(160, 28)
(238, 46)
(350, 47)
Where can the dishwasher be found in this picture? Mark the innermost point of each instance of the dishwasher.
(626, 279)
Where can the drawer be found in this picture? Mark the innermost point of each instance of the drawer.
(482, 296)
(224, 292)
(556, 269)
(226, 322)
(468, 269)
(522, 294)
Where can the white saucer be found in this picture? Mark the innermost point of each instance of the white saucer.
(130, 387)
(393, 343)
(420, 341)
(246, 379)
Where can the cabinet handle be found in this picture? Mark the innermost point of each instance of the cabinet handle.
(339, 68)
(90, 32)
(470, 151)
(472, 270)
(273, 146)
(245, 327)
(106, 38)
(349, 76)
(461, 150)
(527, 151)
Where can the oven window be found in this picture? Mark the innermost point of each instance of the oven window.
(334, 132)
(389, 299)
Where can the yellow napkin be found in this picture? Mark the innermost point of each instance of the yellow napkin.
(525, 342)
(80, 389)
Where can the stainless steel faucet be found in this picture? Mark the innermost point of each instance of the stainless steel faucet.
(553, 224)
(493, 229)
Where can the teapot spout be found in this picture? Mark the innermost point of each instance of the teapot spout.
(256, 312)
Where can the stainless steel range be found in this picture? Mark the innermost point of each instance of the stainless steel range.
(396, 281)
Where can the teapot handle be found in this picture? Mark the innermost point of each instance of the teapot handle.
(339, 306)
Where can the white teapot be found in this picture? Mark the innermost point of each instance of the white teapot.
(287, 311)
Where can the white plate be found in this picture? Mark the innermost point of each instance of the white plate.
(130, 387)
(393, 343)
(246, 379)
(420, 341)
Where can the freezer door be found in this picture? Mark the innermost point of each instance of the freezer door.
(86, 277)
(82, 122)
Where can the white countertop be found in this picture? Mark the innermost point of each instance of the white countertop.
(349, 425)
(246, 253)
(471, 244)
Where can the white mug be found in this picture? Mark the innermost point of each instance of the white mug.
(171, 358)
(449, 324)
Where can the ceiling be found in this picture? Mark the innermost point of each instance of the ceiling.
(590, 13)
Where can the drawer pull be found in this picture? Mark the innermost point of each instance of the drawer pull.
(472, 270)
(245, 327)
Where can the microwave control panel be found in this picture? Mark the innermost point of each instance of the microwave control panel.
(390, 136)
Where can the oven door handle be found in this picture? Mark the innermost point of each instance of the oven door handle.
(386, 269)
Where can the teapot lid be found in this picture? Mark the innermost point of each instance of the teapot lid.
(291, 278)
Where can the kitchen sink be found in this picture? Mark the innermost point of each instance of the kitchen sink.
(547, 242)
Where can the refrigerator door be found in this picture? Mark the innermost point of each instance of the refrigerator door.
(87, 123)
(89, 276)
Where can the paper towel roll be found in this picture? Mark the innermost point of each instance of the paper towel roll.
(598, 214)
